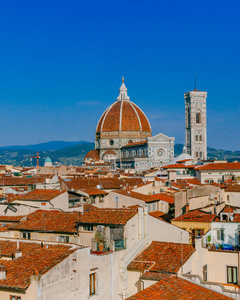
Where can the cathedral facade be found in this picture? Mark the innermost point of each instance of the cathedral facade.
(124, 135)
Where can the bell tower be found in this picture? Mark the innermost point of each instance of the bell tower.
(196, 123)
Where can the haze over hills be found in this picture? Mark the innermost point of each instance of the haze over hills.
(72, 153)
(54, 145)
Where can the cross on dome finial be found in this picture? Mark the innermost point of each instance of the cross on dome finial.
(123, 92)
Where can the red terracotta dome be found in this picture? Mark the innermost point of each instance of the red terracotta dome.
(123, 115)
(92, 155)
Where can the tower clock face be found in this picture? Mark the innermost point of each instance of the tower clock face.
(160, 153)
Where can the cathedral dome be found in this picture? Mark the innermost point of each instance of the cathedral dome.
(123, 115)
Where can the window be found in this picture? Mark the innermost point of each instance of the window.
(26, 235)
(92, 284)
(111, 143)
(196, 153)
(149, 207)
(64, 238)
(200, 153)
(196, 138)
(15, 298)
(101, 199)
(88, 227)
(232, 275)
(200, 137)
(198, 118)
(205, 272)
(154, 206)
(220, 234)
(227, 197)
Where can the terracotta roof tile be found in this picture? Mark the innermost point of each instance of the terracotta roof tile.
(196, 216)
(233, 188)
(131, 116)
(49, 221)
(108, 216)
(38, 195)
(219, 166)
(174, 166)
(34, 259)
(162, 257)
(93, 154)
(105, 183)
(172, 287)
(6, 181)
(94, 191)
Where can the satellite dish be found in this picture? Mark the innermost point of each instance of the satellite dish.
(98, 186)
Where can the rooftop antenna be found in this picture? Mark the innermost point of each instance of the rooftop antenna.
(195, 82)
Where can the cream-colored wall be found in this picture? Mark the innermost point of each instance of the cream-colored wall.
(61, 201)
(50, 237)
(133, 282)
(150, 188)
(184, 197)
(86, 237)
(217, 262)
(216, 176)
(21, 209)
(159, 230)
(122, 201)
(198, 202)
(234, 198)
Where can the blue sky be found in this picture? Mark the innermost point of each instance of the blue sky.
(61, 64)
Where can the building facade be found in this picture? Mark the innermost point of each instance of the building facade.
(196, 124)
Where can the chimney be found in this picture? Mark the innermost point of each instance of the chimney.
(2, 272)
(18, 253)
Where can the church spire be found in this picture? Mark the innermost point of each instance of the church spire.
(123, 92)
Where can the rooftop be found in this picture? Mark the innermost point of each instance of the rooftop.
(172, 287)
(162, 257)
(49, 221)
(35, 260)
(40, 195)
(108, 216)
(219, 166)
(196, 216)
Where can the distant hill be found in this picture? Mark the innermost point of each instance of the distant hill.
(72, 155)
(213, 153)
(55, 145)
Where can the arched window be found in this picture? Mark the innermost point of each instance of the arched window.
(200, 154)
(200, 137)
(198, 117)
(196, 153)
(196, 138)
